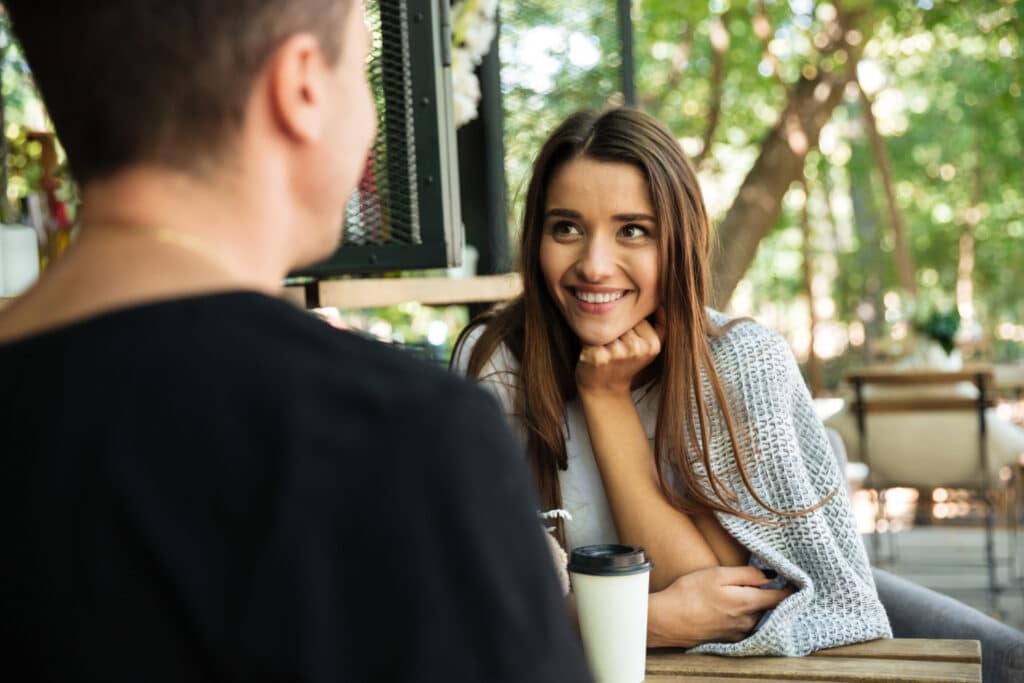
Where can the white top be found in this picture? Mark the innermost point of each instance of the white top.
(583, 494)
(792, 467)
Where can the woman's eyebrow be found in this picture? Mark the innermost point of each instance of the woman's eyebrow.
(625, 217)
(564, 213)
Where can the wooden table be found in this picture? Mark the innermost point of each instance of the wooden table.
(908, 660)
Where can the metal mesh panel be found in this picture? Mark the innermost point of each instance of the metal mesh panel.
(384, 209)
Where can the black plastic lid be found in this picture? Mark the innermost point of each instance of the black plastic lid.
(609, 560)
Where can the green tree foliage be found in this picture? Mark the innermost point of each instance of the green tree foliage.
(945, 78)
(23, 112)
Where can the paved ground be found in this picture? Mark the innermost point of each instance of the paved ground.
(951, 560)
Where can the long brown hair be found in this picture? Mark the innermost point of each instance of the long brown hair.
(536, 334)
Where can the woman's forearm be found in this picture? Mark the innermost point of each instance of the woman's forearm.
(642, 513)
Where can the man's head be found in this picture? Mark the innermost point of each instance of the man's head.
(273, 88)
(155, 81)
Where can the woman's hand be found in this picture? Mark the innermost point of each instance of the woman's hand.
(719, 604)
(612, 367)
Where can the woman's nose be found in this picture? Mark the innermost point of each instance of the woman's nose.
(596, 262)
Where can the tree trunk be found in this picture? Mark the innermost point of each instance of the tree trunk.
(809, 106)
(868, 257)
(780, 163)
(815, 374)
(904, 261)
(965, 277)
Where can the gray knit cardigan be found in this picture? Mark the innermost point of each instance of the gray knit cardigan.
(792, 467)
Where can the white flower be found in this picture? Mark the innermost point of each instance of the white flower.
(465, 88)
(488, 8)
(557, 552)
(478, 38)
(556, 513)
(473, 31)
(561, 563)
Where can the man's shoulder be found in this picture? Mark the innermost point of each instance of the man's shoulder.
(309, 355)
(253, 353)
(309, 389)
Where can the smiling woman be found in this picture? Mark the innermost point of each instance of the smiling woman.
(599, 249)
(657, 422)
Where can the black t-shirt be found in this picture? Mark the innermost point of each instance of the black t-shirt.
(224, 488)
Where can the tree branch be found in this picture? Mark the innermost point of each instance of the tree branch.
(679, 63)
(904, 261)
(719, 51)
(763, 30)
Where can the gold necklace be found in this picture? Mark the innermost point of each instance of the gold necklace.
(186, 241)
(175, 238)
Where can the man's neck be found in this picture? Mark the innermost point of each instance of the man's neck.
(216, 221)
(152, 235)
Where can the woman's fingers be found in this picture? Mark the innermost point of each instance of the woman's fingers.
(743, 626)
(741, 576)
(618, 350)
(651, 340)
(758, 600)
(628, 346)
(595, 355)
(634, 343)
(614, 365)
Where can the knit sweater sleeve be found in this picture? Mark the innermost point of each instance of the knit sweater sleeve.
(792, 468)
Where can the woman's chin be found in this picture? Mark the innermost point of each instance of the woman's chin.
(596, 338)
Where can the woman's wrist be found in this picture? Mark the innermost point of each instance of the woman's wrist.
(610, 396)
(659, 627)
(655, 637)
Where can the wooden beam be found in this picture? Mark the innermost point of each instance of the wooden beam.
(373, 292)
(925, 403)
(295, 295)
(892, 376)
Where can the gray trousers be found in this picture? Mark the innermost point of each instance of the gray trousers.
(918, 612)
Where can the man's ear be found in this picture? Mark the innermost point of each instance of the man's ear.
(298, 79)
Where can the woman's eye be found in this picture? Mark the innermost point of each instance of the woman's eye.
(633, 231)
(564, 229)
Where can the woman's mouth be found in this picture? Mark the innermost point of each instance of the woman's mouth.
(597, 302)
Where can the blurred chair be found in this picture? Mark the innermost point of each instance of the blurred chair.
(927, 429)
(927, 435)
(918, 612)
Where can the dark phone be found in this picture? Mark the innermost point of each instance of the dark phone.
(778, 581)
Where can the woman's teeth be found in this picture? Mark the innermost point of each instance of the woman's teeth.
(595, 298)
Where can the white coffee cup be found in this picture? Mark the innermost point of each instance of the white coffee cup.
(611, 584)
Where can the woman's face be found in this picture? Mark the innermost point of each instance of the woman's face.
(599, 248)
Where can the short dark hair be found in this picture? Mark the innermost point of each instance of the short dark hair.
(164, 81)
